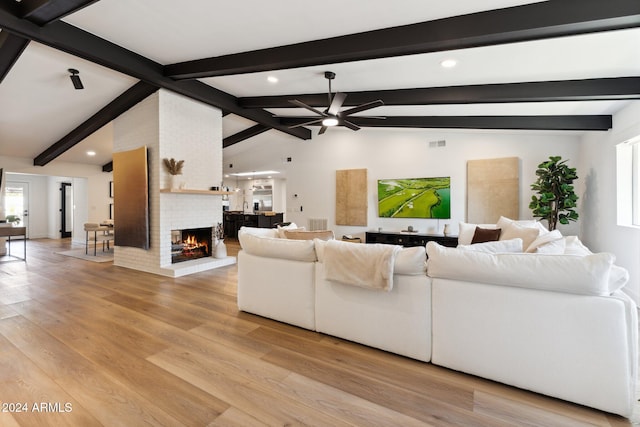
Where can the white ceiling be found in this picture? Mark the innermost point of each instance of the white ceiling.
(38, 104)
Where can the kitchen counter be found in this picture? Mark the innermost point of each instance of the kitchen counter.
(234, 220)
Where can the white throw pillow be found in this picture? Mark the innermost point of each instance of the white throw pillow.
(291, 226)
(587, 275)
(573, 246)
(556, 247)
(545, 240)
(501, 246)
(269, 247)
(467, 230)
(411, 261)
(514, 230)
(528, 223)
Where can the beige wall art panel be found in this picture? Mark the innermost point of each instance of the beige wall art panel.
(351, 197)
(493, 189)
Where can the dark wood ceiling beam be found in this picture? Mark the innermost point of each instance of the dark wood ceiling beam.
(42, 12)
(11, 47)
(575, 123)
(619, 88)
(242, 135)
(535, 21)
(122, 103)
(67, 38)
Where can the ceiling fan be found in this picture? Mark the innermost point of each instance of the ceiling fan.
(332, 116)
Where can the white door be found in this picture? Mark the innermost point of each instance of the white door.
(16, 202)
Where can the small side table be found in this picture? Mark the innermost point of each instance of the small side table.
(9, 232)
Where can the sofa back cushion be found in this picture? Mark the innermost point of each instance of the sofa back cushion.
(271, 247)
(411, 261)
(309, 235)
(587, 275)
(264, 232)
(408, 262)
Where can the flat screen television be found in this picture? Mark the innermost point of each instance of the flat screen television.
(414, 198)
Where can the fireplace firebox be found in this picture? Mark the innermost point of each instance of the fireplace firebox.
(190, 244)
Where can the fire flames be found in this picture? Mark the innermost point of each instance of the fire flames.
(191, 243)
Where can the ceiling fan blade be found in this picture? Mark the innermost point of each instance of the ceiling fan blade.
(323, 129)
(362, 107)
(308, 107)
(312, 122)
(336, 103)
(350, 125)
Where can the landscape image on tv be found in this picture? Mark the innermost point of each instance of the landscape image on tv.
(414, 198)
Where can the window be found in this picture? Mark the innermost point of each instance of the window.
(628, 170)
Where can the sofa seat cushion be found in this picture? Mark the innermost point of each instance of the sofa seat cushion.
(270, 247)
(588, 275)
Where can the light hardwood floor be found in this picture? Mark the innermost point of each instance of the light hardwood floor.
(90, 344)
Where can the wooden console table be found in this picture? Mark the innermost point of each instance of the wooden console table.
(9, 232)
(410, 239)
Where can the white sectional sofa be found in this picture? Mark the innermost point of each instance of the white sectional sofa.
(552, 323)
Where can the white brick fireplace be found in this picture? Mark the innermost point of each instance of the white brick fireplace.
(173, 126)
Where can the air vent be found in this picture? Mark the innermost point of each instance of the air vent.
(437, 144)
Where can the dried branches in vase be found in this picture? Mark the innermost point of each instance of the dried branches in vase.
(219, 231)
(174, 167)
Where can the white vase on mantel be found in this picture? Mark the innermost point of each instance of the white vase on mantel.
(220, 249)
(175, 183)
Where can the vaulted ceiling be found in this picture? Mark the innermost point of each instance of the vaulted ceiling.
(561, 65)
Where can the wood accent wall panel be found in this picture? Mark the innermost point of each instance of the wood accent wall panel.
(493, 189)
(131, 198)
(351, 197)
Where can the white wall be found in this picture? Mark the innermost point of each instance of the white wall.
(599, 229)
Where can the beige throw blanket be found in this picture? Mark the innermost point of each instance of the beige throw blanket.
(365, 265)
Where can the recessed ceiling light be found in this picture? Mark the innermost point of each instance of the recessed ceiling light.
(272, 79)
(449, 63)
(91, 153)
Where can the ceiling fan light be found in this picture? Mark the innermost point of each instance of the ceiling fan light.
(330, 121)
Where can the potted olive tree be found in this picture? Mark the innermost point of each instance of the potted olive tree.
(555, 199)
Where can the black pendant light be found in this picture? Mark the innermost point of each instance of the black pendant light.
(75, 78)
